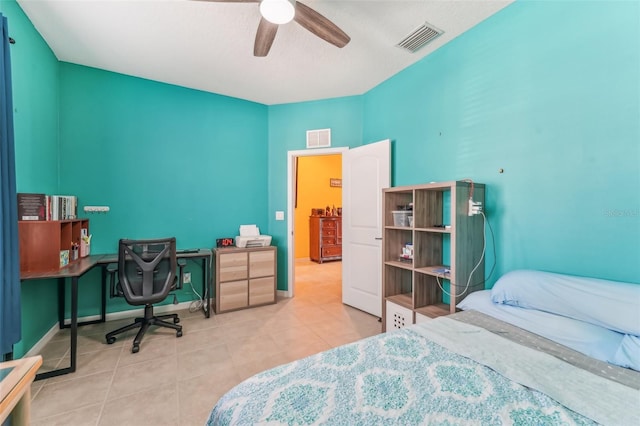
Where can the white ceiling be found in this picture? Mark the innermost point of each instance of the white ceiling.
(209, 46)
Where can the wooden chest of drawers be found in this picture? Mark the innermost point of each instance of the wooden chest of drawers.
(325, 238)
(244, 277)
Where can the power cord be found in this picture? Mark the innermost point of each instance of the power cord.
(198, 304)
(484, 247)
(195, 305)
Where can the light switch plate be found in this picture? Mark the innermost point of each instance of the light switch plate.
(279, 215)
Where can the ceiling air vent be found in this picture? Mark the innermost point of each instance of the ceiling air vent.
(320, 138)
(419, 37)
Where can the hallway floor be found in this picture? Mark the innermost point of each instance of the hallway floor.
(177, 381)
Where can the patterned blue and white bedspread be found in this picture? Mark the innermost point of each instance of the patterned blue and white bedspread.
(405, 378)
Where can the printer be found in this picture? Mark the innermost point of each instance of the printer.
(250, 237)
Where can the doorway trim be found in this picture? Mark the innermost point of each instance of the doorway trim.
(291, 172)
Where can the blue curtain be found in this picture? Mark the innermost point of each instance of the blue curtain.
(10, 325)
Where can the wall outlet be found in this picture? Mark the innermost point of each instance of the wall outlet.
(279, 215)
(186, 278)
(475, 207)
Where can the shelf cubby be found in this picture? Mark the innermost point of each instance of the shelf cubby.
(400, 280)
(394, 240)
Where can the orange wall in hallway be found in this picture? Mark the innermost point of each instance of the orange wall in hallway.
(314, 191)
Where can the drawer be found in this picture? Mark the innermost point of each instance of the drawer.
(331, 251)
(262, 263)
(328, 224)
(328, 241)
(262, 290)
(234, 295)
(233, 266)
(328, 232)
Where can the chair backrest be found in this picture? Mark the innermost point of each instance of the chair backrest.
(147, 269)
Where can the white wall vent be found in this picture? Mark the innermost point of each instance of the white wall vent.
(320, 138)
(419, 37)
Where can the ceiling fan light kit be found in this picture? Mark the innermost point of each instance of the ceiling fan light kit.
(278, 11)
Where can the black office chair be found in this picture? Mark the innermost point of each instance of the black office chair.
(146, 274)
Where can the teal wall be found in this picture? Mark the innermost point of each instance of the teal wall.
(556, 106)
(35, 100)
(557, 109)
(288, 125)
(168, 161)
(35, 77)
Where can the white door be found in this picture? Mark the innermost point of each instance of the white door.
(365, 171)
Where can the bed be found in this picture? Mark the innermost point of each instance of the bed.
(479, 366)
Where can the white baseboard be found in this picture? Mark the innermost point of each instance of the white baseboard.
(39, 346)
(282, 293)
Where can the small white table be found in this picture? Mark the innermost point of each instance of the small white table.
(15, 389)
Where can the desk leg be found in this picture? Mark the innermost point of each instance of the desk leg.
(61, 282)
(73, 326)
(103, 297)
(74, 322)
(206, 304)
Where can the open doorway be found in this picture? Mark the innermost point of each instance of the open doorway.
(306, 193)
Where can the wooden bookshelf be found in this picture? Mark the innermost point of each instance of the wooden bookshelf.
(446, 242)
(41, 242)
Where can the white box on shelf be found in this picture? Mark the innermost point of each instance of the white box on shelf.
(398, 316)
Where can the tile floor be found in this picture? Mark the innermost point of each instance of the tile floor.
(176, 381)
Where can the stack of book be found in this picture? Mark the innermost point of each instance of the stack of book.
(47, 207)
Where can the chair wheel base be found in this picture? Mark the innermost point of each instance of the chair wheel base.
(135, 349)
(176, 320)
(179, 333)
(111, 340)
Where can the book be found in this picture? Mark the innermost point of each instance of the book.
(32, 206)
(62, 207)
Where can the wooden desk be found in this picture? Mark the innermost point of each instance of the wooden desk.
(80, 267)
(15, 389)
(74, 271)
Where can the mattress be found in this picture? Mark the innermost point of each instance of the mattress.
(466, 368)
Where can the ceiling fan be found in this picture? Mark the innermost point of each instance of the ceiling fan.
(277, 12)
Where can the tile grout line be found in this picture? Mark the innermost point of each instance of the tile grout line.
(106, 395)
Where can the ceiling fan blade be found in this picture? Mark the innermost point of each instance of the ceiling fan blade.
(264, 37)
(231, 1)
(320, 26)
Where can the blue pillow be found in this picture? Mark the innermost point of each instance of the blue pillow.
(610, 304)
(628, 354)
(591, 340)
